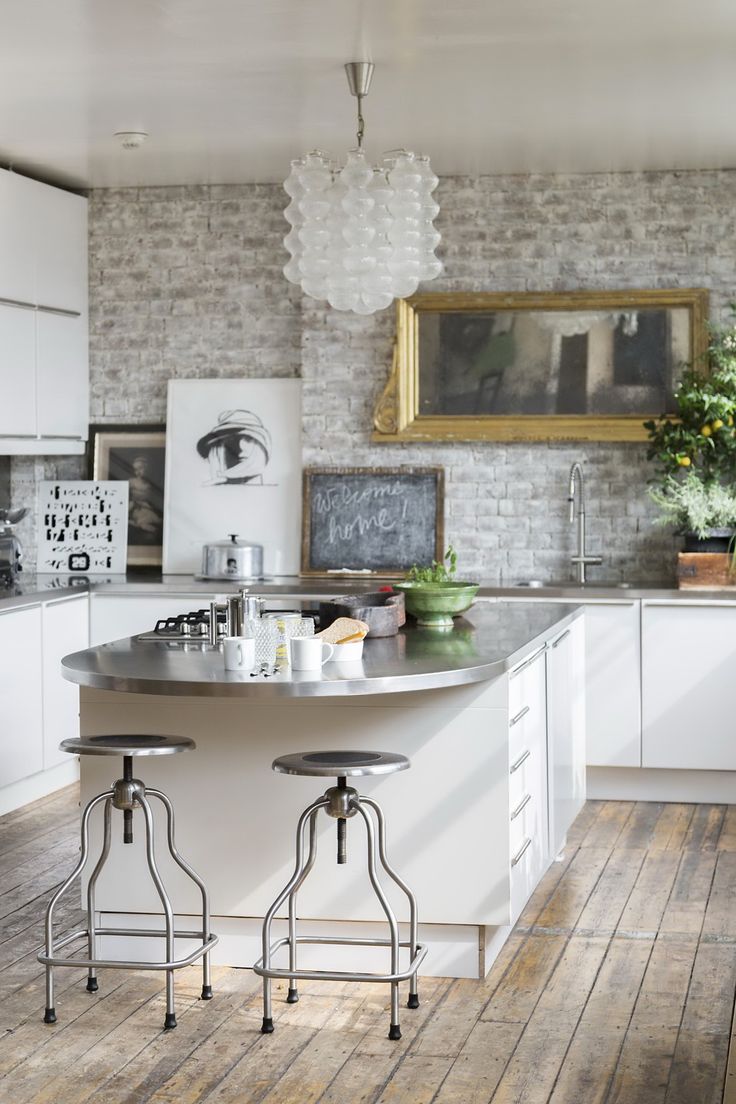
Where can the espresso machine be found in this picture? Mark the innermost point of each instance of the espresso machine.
(11, 551)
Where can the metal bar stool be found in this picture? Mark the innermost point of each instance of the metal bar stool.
(342, 802)
(125, 794)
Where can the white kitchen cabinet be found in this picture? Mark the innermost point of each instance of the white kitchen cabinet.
(17, 370)
(565, 730)
(528, 833)
(62, 376)
(613, 685)
(61, 249)
(114, 616)
(688, 679)
(21, 730)
(43, 329)
(17, 237)
(65, 630)
(613, 679)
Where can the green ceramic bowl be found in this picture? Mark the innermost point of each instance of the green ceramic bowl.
(435, 604)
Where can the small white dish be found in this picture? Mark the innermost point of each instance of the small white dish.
(347, 653)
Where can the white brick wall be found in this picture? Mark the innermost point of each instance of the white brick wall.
(186, 282)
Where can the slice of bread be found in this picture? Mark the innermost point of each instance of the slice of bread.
(342, 628)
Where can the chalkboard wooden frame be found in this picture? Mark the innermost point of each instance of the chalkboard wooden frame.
(383, 573)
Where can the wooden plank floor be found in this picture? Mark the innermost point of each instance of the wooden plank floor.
(616, 987)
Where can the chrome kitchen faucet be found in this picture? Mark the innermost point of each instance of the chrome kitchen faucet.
(581, 559)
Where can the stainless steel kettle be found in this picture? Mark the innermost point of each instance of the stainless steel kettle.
(232, 559)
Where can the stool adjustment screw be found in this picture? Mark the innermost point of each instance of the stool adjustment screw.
(128, 813)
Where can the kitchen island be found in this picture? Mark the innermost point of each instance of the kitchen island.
(490, 714)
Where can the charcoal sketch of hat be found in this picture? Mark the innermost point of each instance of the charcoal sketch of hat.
(238, 448)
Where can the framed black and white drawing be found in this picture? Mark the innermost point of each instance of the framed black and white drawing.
(135, 454)
(233, 465)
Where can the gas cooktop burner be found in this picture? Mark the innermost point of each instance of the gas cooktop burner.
(194, 625)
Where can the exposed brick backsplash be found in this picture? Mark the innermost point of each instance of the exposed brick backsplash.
(186, 282)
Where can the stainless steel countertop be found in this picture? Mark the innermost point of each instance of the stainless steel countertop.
(31, 589)
(493, 638)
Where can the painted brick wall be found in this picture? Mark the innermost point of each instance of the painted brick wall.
(186, 282)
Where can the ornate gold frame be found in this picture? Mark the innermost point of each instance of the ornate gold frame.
(396, 415)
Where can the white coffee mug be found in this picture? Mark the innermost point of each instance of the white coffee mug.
(240, 653)
(307, 653)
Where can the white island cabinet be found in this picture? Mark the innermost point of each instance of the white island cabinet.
(467, 826)
(566, 695)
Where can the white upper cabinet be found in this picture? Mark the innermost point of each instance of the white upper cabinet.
(17, 237)
(61, 250)
(43, 323)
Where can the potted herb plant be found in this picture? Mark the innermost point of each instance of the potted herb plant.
(695, 450)
(433, 595)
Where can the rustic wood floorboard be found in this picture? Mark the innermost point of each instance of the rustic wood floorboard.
(616, 987)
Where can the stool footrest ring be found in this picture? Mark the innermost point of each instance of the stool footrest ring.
(340, 975)
(118, 964)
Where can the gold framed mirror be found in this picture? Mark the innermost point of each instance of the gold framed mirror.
(538, 366)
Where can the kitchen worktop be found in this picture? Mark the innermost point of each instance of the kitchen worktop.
(29, 589)
(482, 646)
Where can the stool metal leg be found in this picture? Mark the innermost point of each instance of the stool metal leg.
(92, 984)
(50, 1013)
(170, 1018)
(294, 882)
(395, 1027)
(413, 1001)
(166, 802)
(293, 994)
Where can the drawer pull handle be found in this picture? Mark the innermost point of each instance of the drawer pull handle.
(522, 713)
(560, 638)
(521, 806)
(520, 761)
(522, 850)
(527, 662)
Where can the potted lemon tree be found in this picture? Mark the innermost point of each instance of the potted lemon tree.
(695, 453)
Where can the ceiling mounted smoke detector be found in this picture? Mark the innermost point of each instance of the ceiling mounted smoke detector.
(131, 139)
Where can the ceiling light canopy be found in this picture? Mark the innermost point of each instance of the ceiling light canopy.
(361, 236)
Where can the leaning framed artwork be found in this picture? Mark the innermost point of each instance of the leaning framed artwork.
(538, 366)
(233, 465)
(136, 455)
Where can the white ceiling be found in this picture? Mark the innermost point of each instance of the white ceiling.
(231, 90)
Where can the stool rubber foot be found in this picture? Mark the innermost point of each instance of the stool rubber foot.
(292, 996)
(267, 1026)
(92, 985)
(413, 1001)
(49, 1015)
(394, 1032)
(170, 1021)
(207, 992)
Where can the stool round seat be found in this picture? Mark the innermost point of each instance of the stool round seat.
(340, 764)
(127, 745)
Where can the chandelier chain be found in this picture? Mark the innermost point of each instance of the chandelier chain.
(361, 121)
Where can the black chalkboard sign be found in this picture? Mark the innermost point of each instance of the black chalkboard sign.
(377, 519)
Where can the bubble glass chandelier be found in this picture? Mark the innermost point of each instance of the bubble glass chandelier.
(361, 236)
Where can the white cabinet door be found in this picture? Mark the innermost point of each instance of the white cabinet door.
(17, 370)
(565, 730)
(613, 685)
(21, 716)
(117, 616)
(688, 685)
(65, 630)
(17, 237)
(62, 375)
(61, 249)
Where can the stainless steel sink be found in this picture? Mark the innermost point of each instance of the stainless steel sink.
(570, 584)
